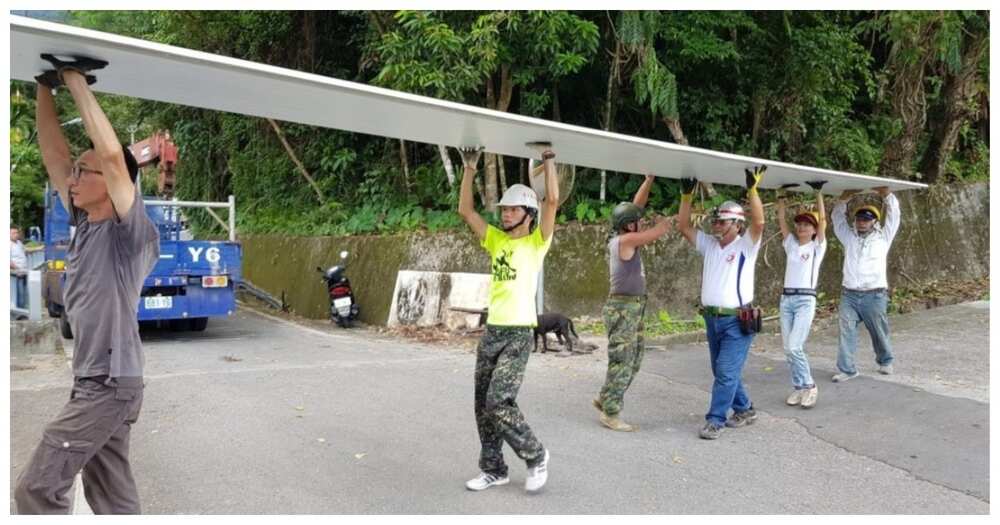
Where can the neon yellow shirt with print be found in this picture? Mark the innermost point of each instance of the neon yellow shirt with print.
(514, 268)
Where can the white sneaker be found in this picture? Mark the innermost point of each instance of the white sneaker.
(885, 369)
(538, 475)
(794, 398)
(484, 481)
(809, 397)
(841, 377)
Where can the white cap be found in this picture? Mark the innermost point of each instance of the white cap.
(519, 195)
(730, 210)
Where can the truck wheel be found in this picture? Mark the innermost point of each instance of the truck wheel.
(64, 327)
(198, 324)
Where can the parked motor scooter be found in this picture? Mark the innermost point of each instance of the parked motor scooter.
(343, 308)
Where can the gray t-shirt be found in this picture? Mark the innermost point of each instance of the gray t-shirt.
(106, 264)
(627, 277)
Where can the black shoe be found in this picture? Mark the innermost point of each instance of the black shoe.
(742, 419)
(710, 431)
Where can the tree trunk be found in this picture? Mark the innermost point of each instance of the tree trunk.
(958, 98)
(500, 102)
(307, 53)
(405, 164)
(609, 104)
(758, 118)
(556, 111)
(503, 173)
(674, 126)
(449, 168)
(489, 196)
(295, 159)
(909, 104)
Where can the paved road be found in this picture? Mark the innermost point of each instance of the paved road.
(259, 415)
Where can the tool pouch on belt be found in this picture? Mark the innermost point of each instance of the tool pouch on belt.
(748, 314)
(750, 319)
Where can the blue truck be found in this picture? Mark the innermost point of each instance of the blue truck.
(193, 280)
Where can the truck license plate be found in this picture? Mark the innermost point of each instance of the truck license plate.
(159, 302)
(343, 302)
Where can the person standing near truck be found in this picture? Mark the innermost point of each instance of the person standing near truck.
(115, 247)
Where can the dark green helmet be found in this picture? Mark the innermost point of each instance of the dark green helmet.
(625, 213)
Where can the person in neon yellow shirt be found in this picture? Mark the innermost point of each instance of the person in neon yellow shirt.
(517, 251)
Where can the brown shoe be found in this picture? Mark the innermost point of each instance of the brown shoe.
(614, 423)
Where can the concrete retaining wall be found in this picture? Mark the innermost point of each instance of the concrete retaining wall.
(944, 234)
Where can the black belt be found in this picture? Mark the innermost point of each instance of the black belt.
(799, 291)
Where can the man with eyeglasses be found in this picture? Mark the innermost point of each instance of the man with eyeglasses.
(730, 254)
(109, 257)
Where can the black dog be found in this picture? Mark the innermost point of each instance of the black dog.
(559, 324)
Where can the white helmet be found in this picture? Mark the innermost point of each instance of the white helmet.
(729, 210)
(519, 195)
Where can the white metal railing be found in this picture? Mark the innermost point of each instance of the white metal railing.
(26, 294)
(231, 205)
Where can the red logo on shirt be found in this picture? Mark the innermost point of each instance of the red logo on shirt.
(731, 258)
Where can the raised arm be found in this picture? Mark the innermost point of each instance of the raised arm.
(642, 194)
(551, 203)
(466, 204)
(820, 209)
(54, 148)
(684, 213)
(121, 189)
(840, 227)
(627, 242)
(756, 206)
(782, 222)
(892, 212)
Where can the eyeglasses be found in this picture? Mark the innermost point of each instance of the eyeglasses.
(78, 170)
(720, 222)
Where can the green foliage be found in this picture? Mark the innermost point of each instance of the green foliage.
(663, 324)
(27, 176)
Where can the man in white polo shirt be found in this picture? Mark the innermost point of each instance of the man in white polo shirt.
(865, 297)
(730, 254)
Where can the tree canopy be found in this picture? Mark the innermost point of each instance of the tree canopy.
(901, 94)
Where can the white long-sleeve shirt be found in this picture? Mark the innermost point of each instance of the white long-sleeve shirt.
(18, 258)
(866, 256)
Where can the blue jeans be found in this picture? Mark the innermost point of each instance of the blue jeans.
(797, 313)
(869, 308)
(728, 347)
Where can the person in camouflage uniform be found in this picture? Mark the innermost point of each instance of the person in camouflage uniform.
(626, 305)
(517, 251)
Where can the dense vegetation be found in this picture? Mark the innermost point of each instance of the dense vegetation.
(901, 94)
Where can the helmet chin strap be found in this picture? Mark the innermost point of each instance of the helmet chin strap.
(514, 227)
(720, 236)
(520, 222)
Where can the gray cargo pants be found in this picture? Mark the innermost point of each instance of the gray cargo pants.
(90, 433)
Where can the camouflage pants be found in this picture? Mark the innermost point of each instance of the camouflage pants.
(623, 319)
(501, 358)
